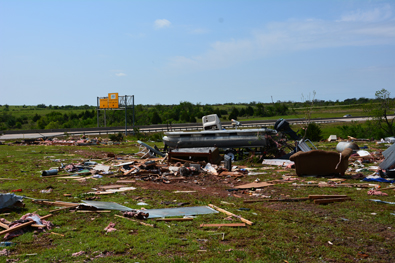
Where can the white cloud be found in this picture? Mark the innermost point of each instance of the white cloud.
(376, 14)
(120, 74)
(291, 36)
(161, 23)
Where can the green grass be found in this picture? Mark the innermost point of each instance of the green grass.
(292, 232)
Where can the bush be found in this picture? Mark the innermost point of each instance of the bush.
(313, 133)
(116, 137)
(358, 130)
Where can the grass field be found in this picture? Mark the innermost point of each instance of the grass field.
(353, 231)
(30, 111)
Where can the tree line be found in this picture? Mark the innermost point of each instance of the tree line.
(68, 116)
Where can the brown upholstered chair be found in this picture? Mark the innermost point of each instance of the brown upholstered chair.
(319, 162)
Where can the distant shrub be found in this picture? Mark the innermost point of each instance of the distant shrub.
(313, 133)
(358, 130)
(116, 137)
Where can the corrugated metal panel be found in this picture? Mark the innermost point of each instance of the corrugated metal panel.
(389, 150)
(107, 205)
(180, 211)
(389, 156)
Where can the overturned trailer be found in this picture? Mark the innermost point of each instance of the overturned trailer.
(219, 138)
(263, 141)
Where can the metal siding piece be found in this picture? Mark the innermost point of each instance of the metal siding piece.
(389, 156)
(180, 211)
(7, 200)
(389, 151)
(107, 205)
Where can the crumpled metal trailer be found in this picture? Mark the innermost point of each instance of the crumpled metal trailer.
(233, 142)
(219, 138)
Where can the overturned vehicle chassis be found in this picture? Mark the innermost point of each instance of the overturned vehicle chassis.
(269, 143)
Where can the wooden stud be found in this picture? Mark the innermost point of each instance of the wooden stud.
(12, 229)
(174, 219)
(221, 225)
(231, 214)
(142, 223)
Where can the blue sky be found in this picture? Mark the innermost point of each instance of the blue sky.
(165, 52)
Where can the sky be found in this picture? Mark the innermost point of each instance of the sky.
(208, 51)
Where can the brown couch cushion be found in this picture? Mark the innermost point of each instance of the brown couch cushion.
(319, 162)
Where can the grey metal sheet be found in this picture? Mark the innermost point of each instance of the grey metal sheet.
(304, 147)
(7, 200)
(194, 150)
(389, 156)
(180, 211)
(389, 151)
(107, 205)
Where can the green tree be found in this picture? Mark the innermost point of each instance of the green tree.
(379, 110)
(155, 118)
(259, 110)
(192, 119)
(242, 112)
(312, 132)
(233, 114)
(249, 111)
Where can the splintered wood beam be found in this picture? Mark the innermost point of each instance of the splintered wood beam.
(174, 219)
(326, 196)
(37, 225)
(387, 188)
(226, 225)
(55, 203)
(4, 226)
(141, 223)
(332, 200)
(64, 208)
(248, 222)
(254, 201)
(289, 199)
(93, 211)
(12, 229)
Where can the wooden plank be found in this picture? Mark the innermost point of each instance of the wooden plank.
(175, 178)
(101, 193)
(93, 211)
(4, 226)
(37, 225)
(57, 234)
(254, 201)
(63, 208)
(231, 214)
(126, 181)
(174, 219)
(233, 174)
(253, 185)
(12, 229)
(114, 186)
(332, 200)
(221, 225)
(326, 196)
(387, 188)
(127, 172)
(289, 199)
(55, 203)
(142, 223)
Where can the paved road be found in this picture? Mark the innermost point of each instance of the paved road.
(156, 128)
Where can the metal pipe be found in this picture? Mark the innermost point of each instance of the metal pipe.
(126, 120)
(133, 113)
